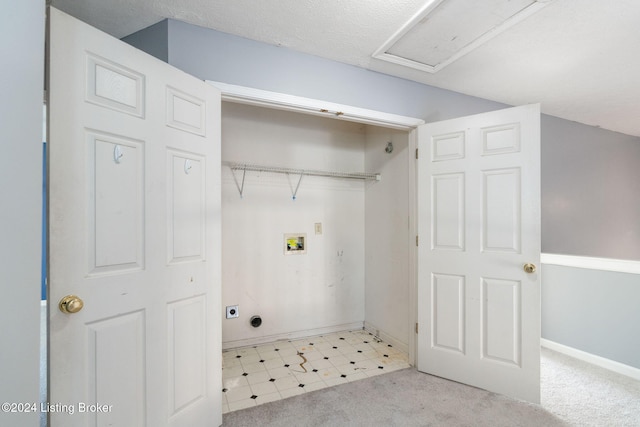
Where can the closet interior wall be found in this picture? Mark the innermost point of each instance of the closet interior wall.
(329, 287)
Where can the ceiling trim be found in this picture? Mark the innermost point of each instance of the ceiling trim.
(382, 52)
(282, 101)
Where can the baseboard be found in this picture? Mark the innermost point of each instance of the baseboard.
(389, 339)
(611, 365)
(226, 345)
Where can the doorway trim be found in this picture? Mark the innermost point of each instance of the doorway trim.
(298, 104)
(281, 101)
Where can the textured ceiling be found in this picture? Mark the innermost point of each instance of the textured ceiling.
(578, 58)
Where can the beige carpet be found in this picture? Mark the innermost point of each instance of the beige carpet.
(574, 393)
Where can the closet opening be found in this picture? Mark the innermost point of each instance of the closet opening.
(336, 197)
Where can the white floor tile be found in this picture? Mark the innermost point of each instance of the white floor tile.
(308, 378)
(269, 354)
(274, 363)
(234, 371)
(315, 386)
(235, 382)
(242, 404)
(271, 397)
(329, 373)
(355, 376)
(238, 393)
(338, 360)
(291, 392)
(335, 381)
(259, 375)
(250, 358)
(247, 351)
(281, 372)
(264, 388)
(254, 367)
(286, 383)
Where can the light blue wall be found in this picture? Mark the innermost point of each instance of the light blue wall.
(594, 311)
(212, 55)
(590, 176)
(590, 191)
(21, 85)
(153, 40)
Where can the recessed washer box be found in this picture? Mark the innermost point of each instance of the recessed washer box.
(295, 243)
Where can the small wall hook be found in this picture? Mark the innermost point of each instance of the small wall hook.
(117, 153)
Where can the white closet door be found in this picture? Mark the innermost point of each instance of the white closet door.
(479, 225)
(134, 220)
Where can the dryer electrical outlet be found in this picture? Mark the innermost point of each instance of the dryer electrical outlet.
(232, 311)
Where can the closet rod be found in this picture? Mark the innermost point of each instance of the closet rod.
(309, 172)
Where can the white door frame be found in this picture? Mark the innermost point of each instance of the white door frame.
(280, 101)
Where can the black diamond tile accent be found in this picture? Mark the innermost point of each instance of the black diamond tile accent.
(286, 366)
(359, 351)
(335, 348)
(310, 343)
(254, 397)
(272, 380)
(238, 357)
(342, 339)
(224, 390)
(326, 358)
(380, 367)
(386, 355)
(277, 349)
(261, 361)
(389, 345)
(366, 342)
(244, 374)
(343, 376)
(315, 370)
(353, 363)
(300, 385)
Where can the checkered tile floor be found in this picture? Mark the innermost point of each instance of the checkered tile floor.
(268, 372)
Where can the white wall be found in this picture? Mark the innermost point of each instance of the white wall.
(387, 236)
(21, 83)
(323, 288)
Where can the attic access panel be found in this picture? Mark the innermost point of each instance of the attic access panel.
(445, 30)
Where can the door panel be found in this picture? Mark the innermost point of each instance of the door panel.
(117, 355)
(479, 209)
(135, 232)
(501, 210)
(116, 203)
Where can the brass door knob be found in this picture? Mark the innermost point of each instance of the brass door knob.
(529, 268)
(70, 304)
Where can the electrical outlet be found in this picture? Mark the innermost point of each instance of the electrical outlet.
(232, 311)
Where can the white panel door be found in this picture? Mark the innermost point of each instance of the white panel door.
(134, 223)
(479, 224)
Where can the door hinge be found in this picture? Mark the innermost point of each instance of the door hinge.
(416, 240)
(416, 327)
(416, 153)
